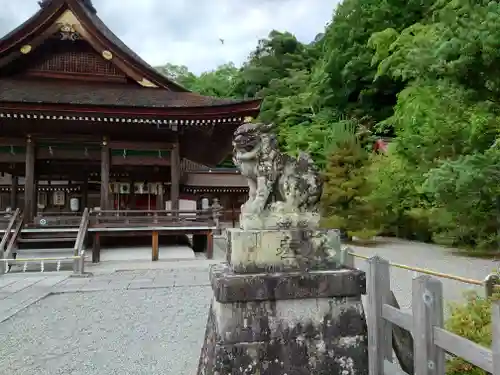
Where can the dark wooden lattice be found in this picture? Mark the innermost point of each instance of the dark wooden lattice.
(77, 62)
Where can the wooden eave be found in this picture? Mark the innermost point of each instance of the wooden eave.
(205, 133)
(238, 109)
(23, 32)
(97, 33)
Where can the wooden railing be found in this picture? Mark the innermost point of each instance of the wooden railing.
(56, 219)
(79, 250)
(5, 218)
(8, 230)
(152, 218)
(427, 341)
(18, 225)
(5, 238)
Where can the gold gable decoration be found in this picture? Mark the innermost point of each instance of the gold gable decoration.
(107, 55)
(68, 26)
(147, 83)
(26, 49)
(68, 32)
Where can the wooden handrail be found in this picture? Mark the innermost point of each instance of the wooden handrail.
(6, 235)
(82, 231)
(13, 238)
(152, 212)
(151, 217)
(54, 213)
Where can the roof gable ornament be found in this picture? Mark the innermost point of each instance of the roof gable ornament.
(87, 3)
(68, 32)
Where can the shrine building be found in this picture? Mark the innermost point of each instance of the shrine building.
(86, 123)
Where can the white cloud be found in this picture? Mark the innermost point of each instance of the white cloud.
(188, 32)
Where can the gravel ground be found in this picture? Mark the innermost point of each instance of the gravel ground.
(154, 331)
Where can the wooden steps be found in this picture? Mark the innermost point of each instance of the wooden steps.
(46, 239)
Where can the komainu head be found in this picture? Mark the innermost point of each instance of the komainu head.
(250, 138)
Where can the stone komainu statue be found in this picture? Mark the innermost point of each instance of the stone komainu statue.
(277, 182)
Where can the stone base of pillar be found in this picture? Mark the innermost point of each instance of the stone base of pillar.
(294, 322)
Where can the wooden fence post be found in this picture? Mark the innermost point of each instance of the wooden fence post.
(346, 259)
(155, 253)
(495, 338)
(427, 306)
(379, 330)
(3, 265)
(490, 282)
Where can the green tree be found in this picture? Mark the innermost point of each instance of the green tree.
(344, 201)
(446, 121)
(179, 74)
(219, 82)
(349, 83)
(459, 41)
(273, 59)
(466, 195)
(399, 204)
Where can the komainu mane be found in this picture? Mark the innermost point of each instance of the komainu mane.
(279, 185)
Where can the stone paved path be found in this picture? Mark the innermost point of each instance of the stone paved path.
(124, 322)
(18, 291)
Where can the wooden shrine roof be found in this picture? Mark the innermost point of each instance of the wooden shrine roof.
(141, 86)
(83, 10)
(119, 95)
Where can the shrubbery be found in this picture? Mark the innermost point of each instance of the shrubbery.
(346, 188)
(472, 320)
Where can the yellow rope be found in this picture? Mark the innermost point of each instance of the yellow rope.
(427, 272)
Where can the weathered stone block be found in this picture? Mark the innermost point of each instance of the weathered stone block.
(287, 319)
(300, 337)
(286, 323)
(279, 250)
(229, 286)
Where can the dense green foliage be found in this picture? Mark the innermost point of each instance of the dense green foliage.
(346, 187)
(426, 73)
(471, 320)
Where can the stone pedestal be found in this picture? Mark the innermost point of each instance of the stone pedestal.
(288, 320)
(281, 250)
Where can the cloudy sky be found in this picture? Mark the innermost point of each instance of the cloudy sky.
(188, 32)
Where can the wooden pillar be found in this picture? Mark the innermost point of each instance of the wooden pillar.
(35, 197)
(155, 246)
(160, 202)
(233, 211)
(85, 193)
(174, 177)
(133, 198)
(105, 166)
(210, 245)
(29, 181)
(96, 248)
(13, 192)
